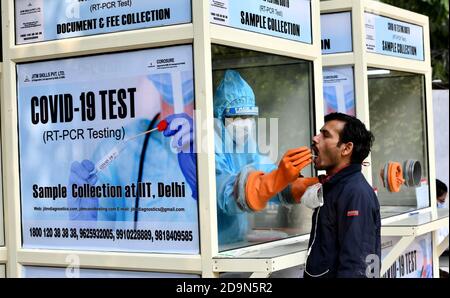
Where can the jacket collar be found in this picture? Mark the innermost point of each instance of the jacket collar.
(342, 173)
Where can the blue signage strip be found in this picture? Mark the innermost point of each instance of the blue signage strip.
(336, 31)
(43, 20)
(289, 19)
(393, 38)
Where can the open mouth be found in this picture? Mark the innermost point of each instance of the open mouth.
(315, 152)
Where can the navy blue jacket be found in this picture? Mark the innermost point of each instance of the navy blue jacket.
(348, 227)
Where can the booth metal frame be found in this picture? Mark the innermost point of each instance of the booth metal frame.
(262, 259)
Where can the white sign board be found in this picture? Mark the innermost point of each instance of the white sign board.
(42, 20)
(390, 37)
(290, 19)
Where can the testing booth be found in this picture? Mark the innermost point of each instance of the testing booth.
(93, 187)
(381, 58)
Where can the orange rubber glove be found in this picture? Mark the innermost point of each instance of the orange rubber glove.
(392, 176)
(300, 185)
(395, 176)
(261, 187)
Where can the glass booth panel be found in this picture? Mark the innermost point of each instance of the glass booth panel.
(282, 89)
(399, 153)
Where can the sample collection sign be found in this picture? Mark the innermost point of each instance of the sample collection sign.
(336, 31)
(290, 19)
(42, 20)
(91, 175)
(415, 262)
(393, 38)
(338, 90)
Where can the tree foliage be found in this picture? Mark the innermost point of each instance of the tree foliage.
(438, 14)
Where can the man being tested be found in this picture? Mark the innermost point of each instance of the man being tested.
(346, 229)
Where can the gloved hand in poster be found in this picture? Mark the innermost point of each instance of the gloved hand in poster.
(181, 128)
(80, 174)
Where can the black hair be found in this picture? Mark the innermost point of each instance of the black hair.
(441, 188)
(354, 131)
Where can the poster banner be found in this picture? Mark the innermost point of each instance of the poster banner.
(2, 236)
(74, 272)
(338, 90)
(1, 44)
(390, 37)
(415, 262)
(289, 19)
(336, 32)
(89, 176)
(43, 20)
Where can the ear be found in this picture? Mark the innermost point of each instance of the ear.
(347, 149)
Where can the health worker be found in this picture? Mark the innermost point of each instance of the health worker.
(246, 180)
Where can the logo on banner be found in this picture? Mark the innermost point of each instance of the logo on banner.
(165, 63)
(47, 76)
